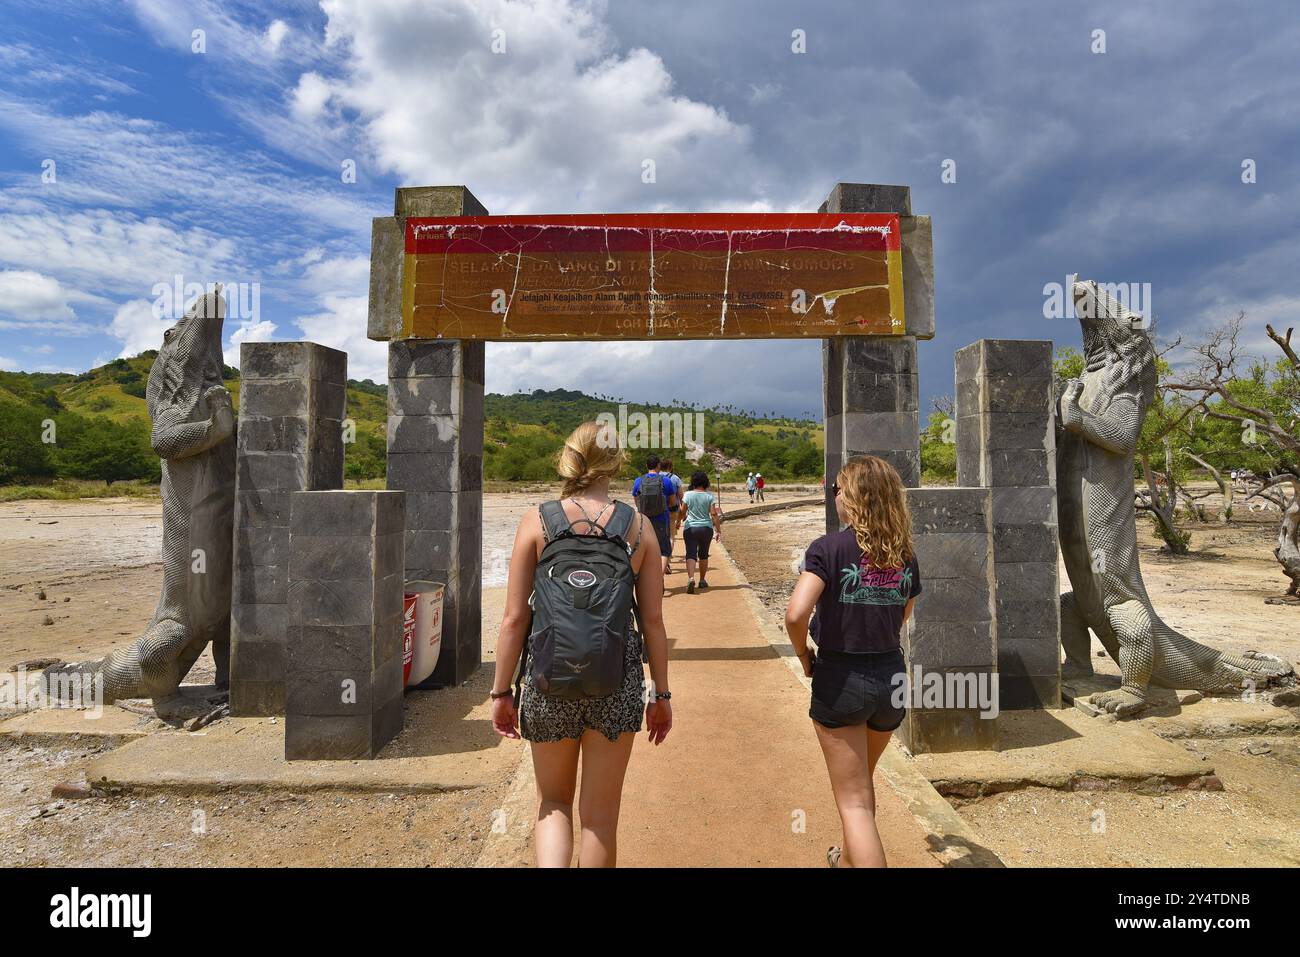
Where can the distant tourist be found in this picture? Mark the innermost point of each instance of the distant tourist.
(751, 486)
(556, 714)
(675, 517)
(758, 485)
(657, 496)
(703, 524)
(863, 582)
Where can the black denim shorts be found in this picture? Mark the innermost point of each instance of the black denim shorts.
(697, 541)
(849, 689)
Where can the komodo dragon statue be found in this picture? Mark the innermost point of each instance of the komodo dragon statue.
(1099, 418)
(193, 431)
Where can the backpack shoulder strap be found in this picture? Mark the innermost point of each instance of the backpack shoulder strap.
(554, 522)
(620, 522)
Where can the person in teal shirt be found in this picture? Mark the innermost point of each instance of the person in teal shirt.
(703, 525)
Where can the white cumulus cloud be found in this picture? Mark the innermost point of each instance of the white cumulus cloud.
(138, 326)
(31, 296)
(531, 101)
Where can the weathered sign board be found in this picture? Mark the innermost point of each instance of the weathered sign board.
(652, 276)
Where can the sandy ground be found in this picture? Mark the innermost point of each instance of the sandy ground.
(97, 563)
(1217, 595)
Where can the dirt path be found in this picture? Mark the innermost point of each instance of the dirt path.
(740, 781)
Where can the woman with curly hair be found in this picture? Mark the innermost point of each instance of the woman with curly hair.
(862, 581)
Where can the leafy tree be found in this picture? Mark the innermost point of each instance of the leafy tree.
(22, 453)
(100, 448)
(939, 450)
(366, 458)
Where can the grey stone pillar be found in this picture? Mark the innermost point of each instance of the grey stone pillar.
(435, 454)
(292, 397)
(344, 645)
(870, 383)
(1006, 440)
(953, 633)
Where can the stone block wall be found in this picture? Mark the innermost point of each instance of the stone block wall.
(1006, 440)
(292, 398)
(953, 635)
(435, 455)
(343, 653)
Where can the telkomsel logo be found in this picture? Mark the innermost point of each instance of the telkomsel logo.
(73, 910)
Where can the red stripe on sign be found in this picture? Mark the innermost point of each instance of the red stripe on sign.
(669, 232)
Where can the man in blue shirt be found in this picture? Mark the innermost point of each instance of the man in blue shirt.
(658, 504)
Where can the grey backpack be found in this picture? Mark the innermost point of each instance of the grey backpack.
(651, 500)
(584, 600)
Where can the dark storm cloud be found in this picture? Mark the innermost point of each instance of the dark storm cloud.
(1124, 166)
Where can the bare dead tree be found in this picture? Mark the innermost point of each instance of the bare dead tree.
(1287, 551)
(1225, 487)
(1219, 356)
(1218, 359)
(1166, 417)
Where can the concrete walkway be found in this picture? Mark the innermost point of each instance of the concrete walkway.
(740, 781)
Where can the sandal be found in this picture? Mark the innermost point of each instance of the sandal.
(833, 855)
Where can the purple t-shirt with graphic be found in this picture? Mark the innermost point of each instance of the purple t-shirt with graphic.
(860, 610)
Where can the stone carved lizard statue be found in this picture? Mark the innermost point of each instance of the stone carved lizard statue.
(1099, 418)
(193, 431)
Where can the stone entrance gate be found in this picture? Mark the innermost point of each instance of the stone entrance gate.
(987, 549)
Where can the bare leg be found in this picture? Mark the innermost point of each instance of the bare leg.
(704, 568)
(555, 765)
(690, 568)
(849, 762)
(604, 763)
(877, 741)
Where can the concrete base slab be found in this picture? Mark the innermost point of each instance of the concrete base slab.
(190, 702)
(1191, 714)
(70, 727)
(249, 753)
(1224, 718)
(1068, 750)
(1078, 690)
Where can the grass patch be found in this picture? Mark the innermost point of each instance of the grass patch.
(70, 489)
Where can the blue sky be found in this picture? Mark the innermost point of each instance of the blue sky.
(1124, 165)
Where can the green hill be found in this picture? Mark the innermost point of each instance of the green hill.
(94, 426)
